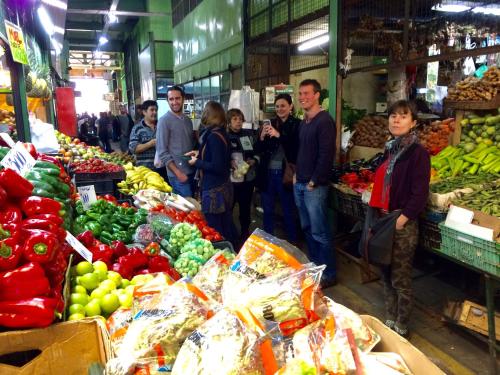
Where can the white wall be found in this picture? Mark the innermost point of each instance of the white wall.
(92, 99)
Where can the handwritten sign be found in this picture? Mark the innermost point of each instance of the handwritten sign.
(19, 159)
(87, 195)
(16, 42)
(79, 248)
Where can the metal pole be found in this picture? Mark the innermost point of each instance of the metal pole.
(490, 306)
(332, 57)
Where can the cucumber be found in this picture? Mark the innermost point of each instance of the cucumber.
(46, 164)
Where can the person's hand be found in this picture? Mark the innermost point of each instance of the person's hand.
(294, 178)
(263, 133)
(234, 164)
(273, 132)
(309, 187)
(192, 153)
(250, 162)
(152, 142)
(401, 222)
(181, 176)
(193, 159)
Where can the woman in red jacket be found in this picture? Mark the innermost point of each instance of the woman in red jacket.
(401, 183)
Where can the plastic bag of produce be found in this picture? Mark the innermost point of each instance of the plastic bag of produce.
(189, 263)
(159, 328)
(290, 298)
(154, 288)
(211, 276)
(203, 248)
(364, 336)
(161, 224)
(384, 363)
(144, 234)
(261, 255)
(181, 234)
(117, 325)
(228, 343)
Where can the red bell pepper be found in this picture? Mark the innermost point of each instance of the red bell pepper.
(30, 147)
(102, 252)
(11, 214)
(10, 253)
(87, 238)
(39, 205)
(123, 269)
(159, 263)
(119, 248)
(35, 312)
(15, 185)
(3, 197)
(57, 220)
(66, 250)
(24, 282)
(56, 269)
(40, 246)
(43, 224)
(152, 249)
(135, 259)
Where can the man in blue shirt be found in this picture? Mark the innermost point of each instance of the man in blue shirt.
(317, 135)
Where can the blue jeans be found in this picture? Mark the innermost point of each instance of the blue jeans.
(275, 188)
(312, 206)
(184, 189)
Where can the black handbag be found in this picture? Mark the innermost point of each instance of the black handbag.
(377, 237)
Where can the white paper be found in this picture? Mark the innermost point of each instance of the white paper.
(459, 215)
(87, 195)
(19, 159)
(7, 138)
(460, 219)
(78, 246)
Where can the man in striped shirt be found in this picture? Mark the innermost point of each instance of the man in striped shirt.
(143, 136)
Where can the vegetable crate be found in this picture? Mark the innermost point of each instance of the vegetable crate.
(479, 253)
(104, 183)
(429, 234)
(350, 205)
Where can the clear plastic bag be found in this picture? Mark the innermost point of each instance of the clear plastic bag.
(144, 234)
(203, 248)
(384, 363)
(160, 327)
(289, 298)
(155, 288)
(117, 325)
(365, 337)
(229, 343)
(161, 224)
(189, 263)
(211, 276)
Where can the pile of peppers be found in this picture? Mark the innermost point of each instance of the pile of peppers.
(108, 221)
(128, 261)
(33, 255)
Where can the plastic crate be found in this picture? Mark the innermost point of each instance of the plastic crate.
(429, 234)
(350, 205)
(100, 176)
(101, 187)
(476, 252)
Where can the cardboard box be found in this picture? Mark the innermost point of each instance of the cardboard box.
(362, 152)
(390, 341)
(67, 348)
(486, 221)
(472, 316)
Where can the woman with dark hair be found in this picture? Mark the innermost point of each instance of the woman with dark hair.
(213, 162)
(400, 189)
(277, 144)
(242, 150)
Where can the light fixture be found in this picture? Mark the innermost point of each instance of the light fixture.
(112, 18)
(59, 30)
(314, 42)
(45, 20)
(56, 3)
(102, 40)
(451, 7)
(97, 54)
(491, 9)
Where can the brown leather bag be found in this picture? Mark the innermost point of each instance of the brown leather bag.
(288, 173)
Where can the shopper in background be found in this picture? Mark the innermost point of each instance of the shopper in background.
(143, 137)
(277, 145)
(214, 161)
(104, 131)
(401, 183)
(138, 116)
(242, 150)
(125, 123)
(317, 135)
(115, 124)
(175, 138)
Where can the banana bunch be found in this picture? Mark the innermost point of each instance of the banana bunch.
(141, 178)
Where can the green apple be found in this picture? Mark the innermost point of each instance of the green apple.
(77, 316)
(76, 309)
(79, 289)
(89, 281)
(130, 289)
(108, 285)
(101, 274)
(100, 265)
(125, 300)
(79, 298)
(115, 276)
(93, 308)
(84, 267)
(109, 303)
(98, 292)
(77, 280)
(124, 283)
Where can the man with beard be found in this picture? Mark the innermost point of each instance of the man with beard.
(143, 136)
(175, 138)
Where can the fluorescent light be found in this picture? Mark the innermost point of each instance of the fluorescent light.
(97, 54)
(112, 18)
(45, 20)
(315, 42)
(56, 3)
(59, 30)
(493, 10)
(102, 40)
(451, 8)
(161, 88)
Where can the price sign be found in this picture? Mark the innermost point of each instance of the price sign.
(87, 195)
(19, 159)
(7, 139)
(79, 248)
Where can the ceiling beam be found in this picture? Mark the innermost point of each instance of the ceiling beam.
(118, 13)
(112, 9)
(96, 26)
(91, 45)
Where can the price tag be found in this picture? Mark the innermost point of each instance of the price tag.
(7, 139)
(79, 248)
(87, 195)
(19, 159)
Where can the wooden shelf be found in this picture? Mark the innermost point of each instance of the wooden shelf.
(473, 104)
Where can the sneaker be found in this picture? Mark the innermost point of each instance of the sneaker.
(403, 332)
(390, 323)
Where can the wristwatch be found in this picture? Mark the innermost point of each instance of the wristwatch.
(311, 184)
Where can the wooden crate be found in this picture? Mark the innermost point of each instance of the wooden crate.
(472, 316)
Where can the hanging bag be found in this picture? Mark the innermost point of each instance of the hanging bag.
(288, 173)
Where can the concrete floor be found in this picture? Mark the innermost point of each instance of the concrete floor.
(435, 282)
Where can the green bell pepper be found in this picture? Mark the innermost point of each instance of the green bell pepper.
(94, 227)
(122, 236)
(124, 221)
(93, 215)
(106, 237)
(105, 220)
(79, 208)
(81, 219)
(76, 228)
(115, 228)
